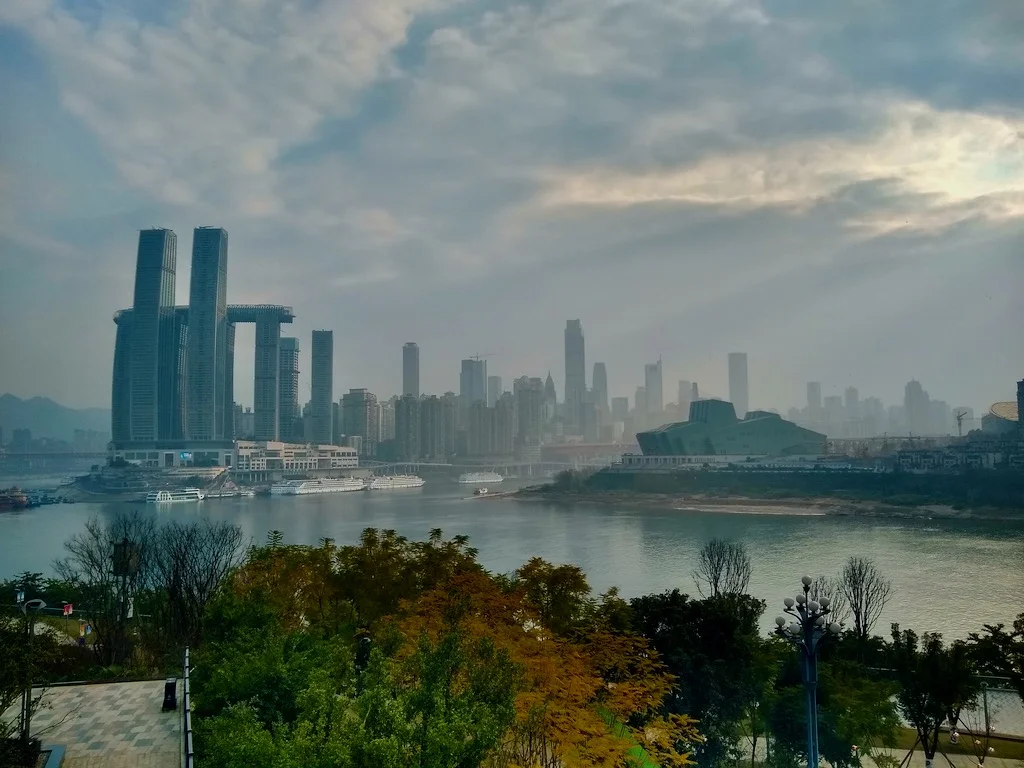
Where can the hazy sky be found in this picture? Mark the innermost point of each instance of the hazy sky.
(835, 188)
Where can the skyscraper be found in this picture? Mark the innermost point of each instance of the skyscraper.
(288, 390)
(151, 383)
(620, 408)
(575, 373)
(814, 399)
(739, 391)
(411, 369)
(407, 427)
(852, 404)
(528, 394)
(431, 428)
(493, 390)
(653, 386)
(917, 407)
(472, 385)
(359, 416)
(321, 371)
(683, 399)
(121, 391)
(207, 335)
(599, 393)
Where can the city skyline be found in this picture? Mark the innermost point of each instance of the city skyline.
(843, 212)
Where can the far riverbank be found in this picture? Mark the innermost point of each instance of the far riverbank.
(739, 504)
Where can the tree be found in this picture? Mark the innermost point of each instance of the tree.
(108, 564)
(1001, 652)
(830, 588)
(865, 592)
(560, 593)
(190, 561)
(723, 567)
(936, 682)
(712, 647)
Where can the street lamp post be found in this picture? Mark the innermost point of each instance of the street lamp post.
(30, 608)
(806, 631)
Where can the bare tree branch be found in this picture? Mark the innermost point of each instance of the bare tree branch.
(828, 587)
(723, 568)
(866, 593)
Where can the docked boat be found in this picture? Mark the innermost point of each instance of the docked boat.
(177, 496)
(388, 482)
(320, 485)
(13, 498)
(479, 478)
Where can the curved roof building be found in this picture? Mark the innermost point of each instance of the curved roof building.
(714, 429)
(1002, 418)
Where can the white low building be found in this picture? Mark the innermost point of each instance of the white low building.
(273, 456)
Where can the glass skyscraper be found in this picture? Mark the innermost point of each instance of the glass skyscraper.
(411, 369)
(152, 328)
(321, 373)
(575, 372)
(209, 407)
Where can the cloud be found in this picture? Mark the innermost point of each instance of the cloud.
(457, 169)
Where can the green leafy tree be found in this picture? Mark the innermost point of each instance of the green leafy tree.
(713, 648)
(936, 682)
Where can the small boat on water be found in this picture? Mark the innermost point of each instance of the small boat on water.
(177, 496)
(480, 492)
(13, 498)
(390, 482)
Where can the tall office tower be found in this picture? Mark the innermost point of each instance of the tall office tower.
(411, 369)
(121, 389)
(493, 390)
(813, 399)
(575, 373)
(620, 408)
(653, 386)
(529, 399)
(360, 417)
(407, 427)
(550, 400)
(172, 419)
(386, 420)
(336, 433)
(152, 325)
(504, 424)
(207, 335)
(640, 409)
(917, 408)
(683, 400)
(227, 400)
(599, 393)
(739, 390)
(851, 401)
(288, 390)
(449, 415)
(432, 428)
(472, 385)
(321, 372)
(480, 430)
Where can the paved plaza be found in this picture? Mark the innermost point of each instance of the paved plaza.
(110, 725)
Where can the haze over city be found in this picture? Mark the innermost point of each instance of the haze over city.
(839, 193)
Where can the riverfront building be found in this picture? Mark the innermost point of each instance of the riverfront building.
(714, 429)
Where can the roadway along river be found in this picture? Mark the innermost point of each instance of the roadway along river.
(949, 576)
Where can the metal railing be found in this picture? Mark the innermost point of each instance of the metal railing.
(188, 749)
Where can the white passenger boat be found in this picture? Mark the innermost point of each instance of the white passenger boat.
(320, 485)
(176, 496)
(388, 482)
(479, 478)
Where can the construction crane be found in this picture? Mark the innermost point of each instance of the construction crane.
(960, 423)
(479, 357)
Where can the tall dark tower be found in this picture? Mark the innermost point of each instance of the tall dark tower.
(411, 369)
(152, 325)
(208, 333)
(575, 373)
(739, 390)
(321, 371)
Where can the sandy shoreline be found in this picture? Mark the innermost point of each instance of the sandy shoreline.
(743, 505)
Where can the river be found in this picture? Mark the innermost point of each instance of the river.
(949, 576)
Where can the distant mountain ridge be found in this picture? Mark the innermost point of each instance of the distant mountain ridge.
(49, 419)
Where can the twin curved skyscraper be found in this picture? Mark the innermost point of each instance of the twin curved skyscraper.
(173, 375)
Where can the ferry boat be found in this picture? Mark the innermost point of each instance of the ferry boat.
(388, 482)
(176, 496)
(477, 478)
(13, 498)
(320, 485)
